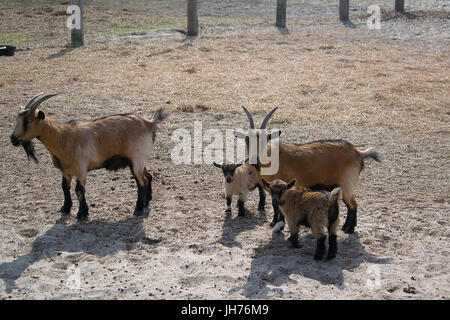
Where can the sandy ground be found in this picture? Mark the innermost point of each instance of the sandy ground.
(387, 89)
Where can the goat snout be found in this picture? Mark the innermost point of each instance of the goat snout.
(14, 140)
(228, 179)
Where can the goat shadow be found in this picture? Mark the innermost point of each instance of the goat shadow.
(275, 262)
(99, 238)
(233, 226)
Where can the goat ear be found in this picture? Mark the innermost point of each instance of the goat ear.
(217, 165)
(291, 184)
(41, 115)
(266, 183)
(238, 165)
(239, 135)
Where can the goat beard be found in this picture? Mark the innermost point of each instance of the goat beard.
(28, 146)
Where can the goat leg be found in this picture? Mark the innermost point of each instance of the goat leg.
(241, 208)
(332, 246)
(83, 209)
(262, 198)
(65, 209)
(320, 249)
(350, 221)
(228, 208)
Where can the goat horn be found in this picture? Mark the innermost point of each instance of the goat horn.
(32, 99)
(250, 118)
(267, 118)
(37, 103)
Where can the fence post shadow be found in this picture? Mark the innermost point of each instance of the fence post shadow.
(283, 30)
(62, 52)
(348, 24)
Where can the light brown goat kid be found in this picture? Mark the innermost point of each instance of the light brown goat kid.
(318, 210)
(239, 180)
(112, 142)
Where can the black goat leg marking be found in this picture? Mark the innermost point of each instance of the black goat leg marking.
(350, 221)
(148, 186)
(65, 209)
(332, 246)
(320, 249)
(281, 218)
(83, 210)
(294, 240)
(275, 214)
(139, 209)
(241, 208)
(228, 208)
(262, 198)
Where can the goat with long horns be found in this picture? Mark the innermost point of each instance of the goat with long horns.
(318, 165)
(112, 142)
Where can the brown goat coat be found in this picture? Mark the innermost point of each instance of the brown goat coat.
(299, 206)
(327, 163)
(80, 147)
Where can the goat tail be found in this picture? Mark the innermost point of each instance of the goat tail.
(334, 195)
(370, 153)
(159, 115)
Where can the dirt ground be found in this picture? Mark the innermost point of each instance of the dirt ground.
(387, 89)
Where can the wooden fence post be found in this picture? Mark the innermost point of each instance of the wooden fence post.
(281, 13)
(192, 18)
(400, 5)
(344, 8)
(77, 34)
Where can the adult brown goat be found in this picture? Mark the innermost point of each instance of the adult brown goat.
(317, 165)
(112, 142)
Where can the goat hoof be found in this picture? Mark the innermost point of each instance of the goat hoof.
(317, 257)
(65, 210)
(331, 256)
(82, 217)
(227, 210)
(139, 212)
(348, 229)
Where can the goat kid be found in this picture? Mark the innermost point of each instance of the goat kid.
(318, 165)
(239, 180)
(318, 210)
(112, 142)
